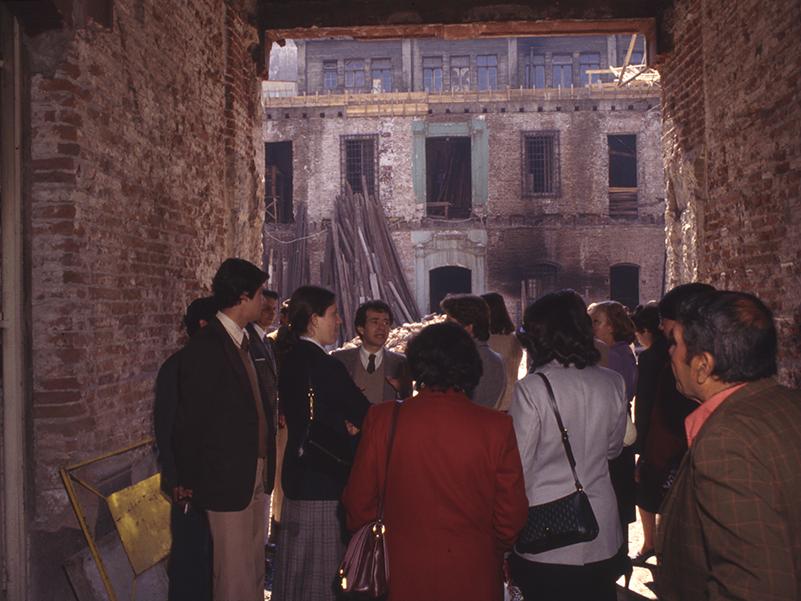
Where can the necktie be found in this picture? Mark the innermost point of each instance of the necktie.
(371, 363)
(245, 344)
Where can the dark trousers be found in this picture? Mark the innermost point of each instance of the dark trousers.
(559, 582)
(189, 565)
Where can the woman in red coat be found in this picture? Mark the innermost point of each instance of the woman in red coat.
(455, 497)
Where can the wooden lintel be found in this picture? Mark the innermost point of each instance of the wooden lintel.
(646, 27)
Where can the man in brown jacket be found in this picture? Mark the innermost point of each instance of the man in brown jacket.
(731, 525)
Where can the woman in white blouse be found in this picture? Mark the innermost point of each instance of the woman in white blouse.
(592, 404)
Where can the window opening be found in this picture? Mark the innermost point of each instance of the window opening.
(588, 61)
(622, 176)
(541, 280)
(487, 66)
(541, 163)
(278, 183)
(460, 73)
(432, 73)
(329, 75)
(448, 173)
(359, 163)
(535, 71)
(381, 74)
(354, 74)
(562, 65)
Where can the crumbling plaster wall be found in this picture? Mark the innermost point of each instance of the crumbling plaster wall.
(733, 142)
(146, 169)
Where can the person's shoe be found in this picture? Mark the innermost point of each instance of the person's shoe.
(642, 557)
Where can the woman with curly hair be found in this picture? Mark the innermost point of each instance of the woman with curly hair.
(455, 499)
(558, 337)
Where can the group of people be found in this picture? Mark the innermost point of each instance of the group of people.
(473, 447)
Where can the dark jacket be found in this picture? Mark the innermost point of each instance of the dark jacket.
(165, 407)
(337, 399)
(216, 431)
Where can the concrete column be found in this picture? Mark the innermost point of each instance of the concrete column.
(408, 66)
(511, 57)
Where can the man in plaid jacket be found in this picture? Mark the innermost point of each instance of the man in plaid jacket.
(731, 526)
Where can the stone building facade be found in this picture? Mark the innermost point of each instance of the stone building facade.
(535, 205)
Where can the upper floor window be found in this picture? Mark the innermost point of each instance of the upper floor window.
(623, 176)
(487, 67)
(359, 157)
(588, 61)
(562, 71)
(535, 71)
(329, 75)
(460, 73)
(354, 74)
(381, 74)
(432, 73)
(541, 163)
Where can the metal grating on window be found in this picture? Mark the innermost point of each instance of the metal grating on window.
(541, 173)
(359, 163)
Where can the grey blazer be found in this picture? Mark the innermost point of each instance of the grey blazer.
(592, 404)
(394, 367)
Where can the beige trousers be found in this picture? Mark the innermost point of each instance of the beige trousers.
(238, 551)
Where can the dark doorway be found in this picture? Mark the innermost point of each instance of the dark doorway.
(448, 170)
(278, 182)
(624, 284)
(446, 280)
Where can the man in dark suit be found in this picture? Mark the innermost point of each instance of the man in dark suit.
(223, 427)
(731, 527)
(189, 565)
(380, 373)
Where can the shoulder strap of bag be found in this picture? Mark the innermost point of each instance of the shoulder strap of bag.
(312, 399)
(563, 430)
(392, 427)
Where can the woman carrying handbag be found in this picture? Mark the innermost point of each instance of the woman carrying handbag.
(592, 410)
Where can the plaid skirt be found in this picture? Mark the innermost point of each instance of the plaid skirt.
(308, 551)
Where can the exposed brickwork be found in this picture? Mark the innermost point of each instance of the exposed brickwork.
(145, 172)
(742, 112)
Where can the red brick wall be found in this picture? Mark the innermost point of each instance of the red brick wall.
(747, 120)
(145, 172)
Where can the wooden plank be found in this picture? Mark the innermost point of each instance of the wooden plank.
(628, 58)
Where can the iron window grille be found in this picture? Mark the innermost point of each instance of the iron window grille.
(541, 163)
(359, 161)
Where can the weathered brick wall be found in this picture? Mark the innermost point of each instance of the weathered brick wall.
(146, 163)
(744, 115)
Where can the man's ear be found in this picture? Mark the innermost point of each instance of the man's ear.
(469, 328)
(360, 331)
(703, 366)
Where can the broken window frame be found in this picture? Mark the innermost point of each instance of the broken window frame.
(487, 71)
(460, 73)
(355, 80)
(432, 73)
(330, 75)
(551, 181)
(353, 167)
(381, 69)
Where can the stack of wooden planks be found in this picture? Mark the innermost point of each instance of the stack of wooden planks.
(286, 255)
(361, 261)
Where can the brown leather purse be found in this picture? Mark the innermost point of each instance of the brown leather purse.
(365, 567)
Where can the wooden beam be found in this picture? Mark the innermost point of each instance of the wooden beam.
(628, 58)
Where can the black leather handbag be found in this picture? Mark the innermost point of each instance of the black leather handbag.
(562, 522)
(365, 567)
(322, 446)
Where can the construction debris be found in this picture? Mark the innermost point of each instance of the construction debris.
(361, 261)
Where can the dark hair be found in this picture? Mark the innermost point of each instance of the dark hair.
(469, 310)
(203, 308)
(646, 318)
(736, 328)
(378, 306)
(500, 322)
(305, 302)
(618, 317)
(270, 294)
(443, 356)
(670, 303)
(234, 278)
(556, 326)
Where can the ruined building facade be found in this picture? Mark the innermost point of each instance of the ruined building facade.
(499, 167)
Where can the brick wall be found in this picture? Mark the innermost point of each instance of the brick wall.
(740, 109)
(145, 172)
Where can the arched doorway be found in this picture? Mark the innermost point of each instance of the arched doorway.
(446, 280)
